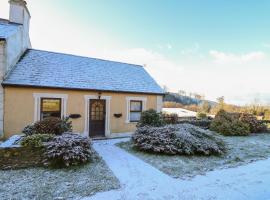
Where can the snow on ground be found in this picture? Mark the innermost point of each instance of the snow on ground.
(180, 112)
(139, 180)
(240, 151)
(71, 183)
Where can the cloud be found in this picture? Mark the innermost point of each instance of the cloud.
(192, 50)
(164, 70)
(266, 45)
(225, 58)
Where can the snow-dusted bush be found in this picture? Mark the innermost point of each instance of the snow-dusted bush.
(255, 125)
(36, 140)
(50, 125)
(184, 139)
(170, 118)
(150, 118)
(229, 124)
(67, 150)
(202, 123)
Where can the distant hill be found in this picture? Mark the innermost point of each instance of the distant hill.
(185, 100)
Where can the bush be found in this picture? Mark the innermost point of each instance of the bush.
(170, 118)
(50, 125)
(201, 115)
(68, 150)
(36, 140)
(202, 123)
(184, 139)
(150, 118)
(255, 125)
(229, 124)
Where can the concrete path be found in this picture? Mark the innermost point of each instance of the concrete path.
(141, 181)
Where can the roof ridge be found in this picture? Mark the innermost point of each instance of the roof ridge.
(68, 54)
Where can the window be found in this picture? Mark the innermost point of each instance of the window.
(50, 107)
(135, 111)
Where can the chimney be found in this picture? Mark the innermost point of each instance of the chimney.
(20, 14)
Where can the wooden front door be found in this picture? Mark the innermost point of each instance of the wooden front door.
(97, 116)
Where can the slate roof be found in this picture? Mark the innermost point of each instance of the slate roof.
(49, 69)
(7, 29)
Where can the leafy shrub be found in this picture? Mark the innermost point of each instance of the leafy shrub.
(229, 124)
(170, 118)
(50, 125)
(68, 150)
(182, 139)
(255, 125)
(202, 123)
(36, 140)
(150, 118)
(201, 115)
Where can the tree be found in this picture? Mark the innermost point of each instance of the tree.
(221, 102)
(165, 88)
(205, 107)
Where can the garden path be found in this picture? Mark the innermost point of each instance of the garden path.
(141, 181)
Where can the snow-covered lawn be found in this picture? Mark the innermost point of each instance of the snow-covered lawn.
(40, 183)
(242, 150)
(139, 180)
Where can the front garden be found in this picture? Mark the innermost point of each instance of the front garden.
(185, 150)
(51, 162)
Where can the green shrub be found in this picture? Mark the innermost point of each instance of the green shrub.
(68, 150)
(36, 140)
(255, 125)
(201, 115)
(150, 118)
(229, 124)
(50, 125)
(170, 118)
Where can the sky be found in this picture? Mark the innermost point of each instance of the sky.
(211, 47)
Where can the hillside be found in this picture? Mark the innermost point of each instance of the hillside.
(185, 100)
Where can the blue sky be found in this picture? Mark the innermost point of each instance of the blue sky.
(213, 47)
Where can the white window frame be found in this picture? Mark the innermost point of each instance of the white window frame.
(39, 96)
(128, 99)
(159, 103)
(87, 99)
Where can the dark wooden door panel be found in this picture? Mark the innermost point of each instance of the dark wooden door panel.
(97, 114)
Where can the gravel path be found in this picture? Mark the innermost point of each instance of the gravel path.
(140, 180)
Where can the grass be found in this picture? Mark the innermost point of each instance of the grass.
(241, 150)
(73, 183)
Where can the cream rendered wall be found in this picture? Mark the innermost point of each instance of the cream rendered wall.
(2, 67)
(13, 47)
(20, 108)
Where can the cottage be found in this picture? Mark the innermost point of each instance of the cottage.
(102, 97)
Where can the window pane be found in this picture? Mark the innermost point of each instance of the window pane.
(135, 105)
(135, 116)
(50, 105)
(50, 108)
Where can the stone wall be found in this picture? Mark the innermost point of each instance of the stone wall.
(20, 157)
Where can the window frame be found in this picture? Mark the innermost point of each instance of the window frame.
(49, 98)
(135, 111)
(38, 96)
(134, 98)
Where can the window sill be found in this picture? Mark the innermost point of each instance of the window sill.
(131, 122)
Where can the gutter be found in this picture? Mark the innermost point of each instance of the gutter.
(78, 89)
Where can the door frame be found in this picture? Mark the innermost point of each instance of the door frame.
(92, 133)
(87, 99)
